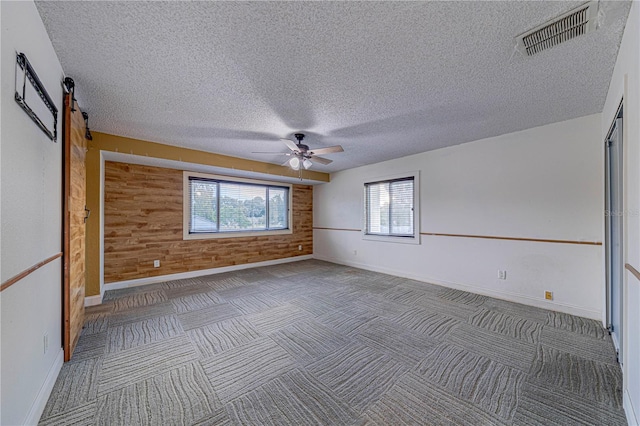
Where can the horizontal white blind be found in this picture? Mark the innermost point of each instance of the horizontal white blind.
(223, 206)
(204, 206)
(242, 207)
(389, 207)
(278, 208)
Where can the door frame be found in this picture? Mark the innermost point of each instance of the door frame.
(617, 335)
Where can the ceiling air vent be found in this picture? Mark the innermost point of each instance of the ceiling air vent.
(574, 23)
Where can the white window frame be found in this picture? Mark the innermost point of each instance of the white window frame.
(415, 239)
(186, 204)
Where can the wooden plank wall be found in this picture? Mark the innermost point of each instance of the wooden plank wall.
(143, 222)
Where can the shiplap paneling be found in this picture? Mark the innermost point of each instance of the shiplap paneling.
(143, 222)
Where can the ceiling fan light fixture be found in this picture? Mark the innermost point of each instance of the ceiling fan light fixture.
(295, 163)
(301, 156)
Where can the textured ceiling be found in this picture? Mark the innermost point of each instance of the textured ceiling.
(383, 79)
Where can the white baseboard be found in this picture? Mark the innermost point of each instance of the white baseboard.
(201, 272)
(45, 391)
(629, 410)
(511, 297)
(92, 300)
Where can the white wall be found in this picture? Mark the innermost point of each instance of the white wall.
(543, 183)
(31, 182)
(627, 70)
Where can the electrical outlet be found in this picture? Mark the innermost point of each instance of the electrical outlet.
(300, 247)
(502, 274)
(45, 342)
(548, 295)
(355, 252)
(156, 263)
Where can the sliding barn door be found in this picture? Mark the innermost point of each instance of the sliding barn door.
(75, 147)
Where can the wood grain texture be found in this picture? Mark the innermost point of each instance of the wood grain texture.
(74, 227)
(11, 281)
(633, 271)
(489, 237)
(143, 217)
(495, 237)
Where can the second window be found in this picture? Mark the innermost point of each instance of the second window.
(389, 207)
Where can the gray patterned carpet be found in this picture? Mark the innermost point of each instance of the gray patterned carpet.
(313, 343)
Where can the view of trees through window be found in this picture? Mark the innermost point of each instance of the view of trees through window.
(221, 206)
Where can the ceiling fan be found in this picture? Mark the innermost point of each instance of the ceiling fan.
(301, 155)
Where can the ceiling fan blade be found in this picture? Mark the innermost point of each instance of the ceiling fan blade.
(321, 160)
(290, 144)
(327, 150)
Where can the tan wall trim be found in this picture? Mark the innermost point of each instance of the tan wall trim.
(490, 237)
(337, 229)
(494, 237)
(11, 281)
(107, 142)
(633, 271)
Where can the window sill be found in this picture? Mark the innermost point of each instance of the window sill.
(390, 239)
(216, 235)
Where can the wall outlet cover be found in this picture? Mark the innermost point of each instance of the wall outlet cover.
(548, 295)
(156, 263)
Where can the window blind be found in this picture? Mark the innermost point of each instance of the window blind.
(389, 207)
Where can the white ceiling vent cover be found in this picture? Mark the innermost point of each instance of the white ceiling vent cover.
(576, 22)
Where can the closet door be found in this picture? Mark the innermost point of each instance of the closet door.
(614, 233)
(75, 148)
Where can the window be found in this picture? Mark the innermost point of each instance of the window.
(391, 209)
(217, 206)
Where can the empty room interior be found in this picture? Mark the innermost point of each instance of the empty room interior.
(320, 213)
